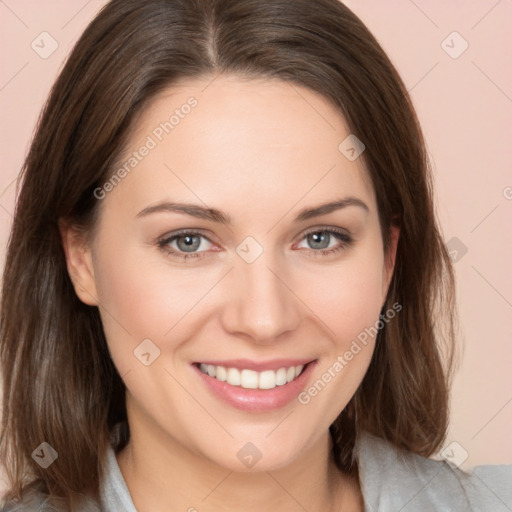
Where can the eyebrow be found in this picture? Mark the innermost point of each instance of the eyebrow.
(203, 212)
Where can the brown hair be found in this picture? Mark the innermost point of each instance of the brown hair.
(60, 384)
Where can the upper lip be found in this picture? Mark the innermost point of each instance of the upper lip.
(258, 366)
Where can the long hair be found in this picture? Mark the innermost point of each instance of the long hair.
(60, 384)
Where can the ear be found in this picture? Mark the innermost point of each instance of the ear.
(390, 259)
(79, 263)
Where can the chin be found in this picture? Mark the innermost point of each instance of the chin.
(254, 456)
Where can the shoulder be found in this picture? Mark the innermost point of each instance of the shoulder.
(394, 479)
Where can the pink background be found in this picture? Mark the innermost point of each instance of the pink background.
(465, 107)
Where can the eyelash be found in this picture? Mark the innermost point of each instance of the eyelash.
(344, 237)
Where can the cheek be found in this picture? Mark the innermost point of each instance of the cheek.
(346, 297)
(350, 306)
(149, 301)
(142, 298)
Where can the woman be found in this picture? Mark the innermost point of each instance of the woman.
(225, 272)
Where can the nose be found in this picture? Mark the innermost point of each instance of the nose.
(262, 303)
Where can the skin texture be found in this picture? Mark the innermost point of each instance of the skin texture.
(260, 151)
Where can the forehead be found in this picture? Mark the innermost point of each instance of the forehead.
(235, 139)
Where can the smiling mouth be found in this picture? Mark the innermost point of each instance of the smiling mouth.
(251, 379)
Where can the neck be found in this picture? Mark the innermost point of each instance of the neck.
(162, 474)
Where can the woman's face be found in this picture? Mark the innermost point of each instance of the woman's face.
(273, 279)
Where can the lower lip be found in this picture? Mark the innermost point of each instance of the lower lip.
(257, 400)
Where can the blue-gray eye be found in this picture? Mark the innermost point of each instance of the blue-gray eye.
(188, 243)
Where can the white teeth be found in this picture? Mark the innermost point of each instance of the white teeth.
(221, 373)
(250, 379)
(233, 377)
(267, 380)
(281, 376)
